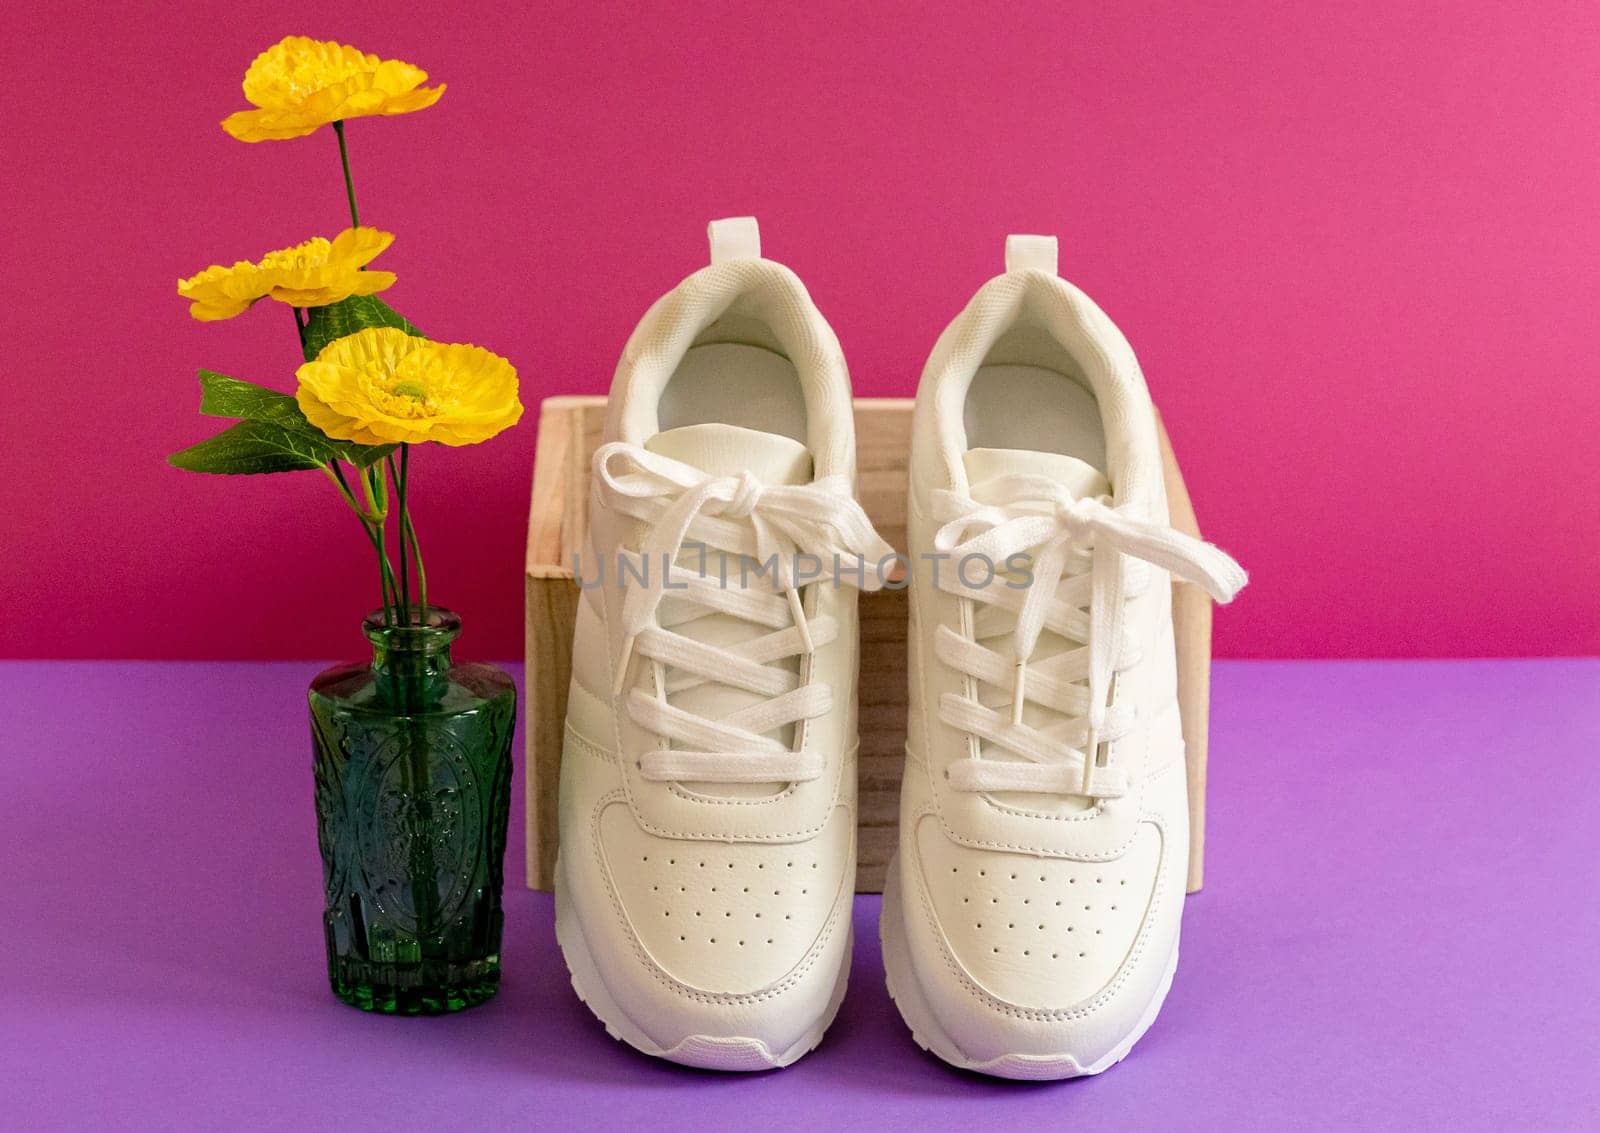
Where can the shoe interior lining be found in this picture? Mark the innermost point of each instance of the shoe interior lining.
(735, 374)
(1031, 394)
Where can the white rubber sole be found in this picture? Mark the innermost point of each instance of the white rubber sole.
(930, 1036)
(707, 1052)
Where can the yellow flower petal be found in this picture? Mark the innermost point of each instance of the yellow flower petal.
(324, 417)
(361, 245)
(372, 282)
(267, 126)
(382, 386)
(376, 350)
(300, 84)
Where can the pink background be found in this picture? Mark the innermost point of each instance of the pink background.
(1355, 249)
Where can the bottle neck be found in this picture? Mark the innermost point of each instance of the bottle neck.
(412, 662)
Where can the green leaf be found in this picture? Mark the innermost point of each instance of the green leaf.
(222, 396)
(324, 324)
(254, 447)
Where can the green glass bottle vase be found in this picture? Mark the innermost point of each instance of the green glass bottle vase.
(413, 792)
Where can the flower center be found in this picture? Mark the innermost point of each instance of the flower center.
(412, 389)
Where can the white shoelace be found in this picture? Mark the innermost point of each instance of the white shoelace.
(1079, 592)
(739, 516)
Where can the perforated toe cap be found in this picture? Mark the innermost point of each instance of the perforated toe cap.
(1041, 933)
(725, 918)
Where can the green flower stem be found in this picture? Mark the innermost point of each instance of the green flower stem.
(376, 490)
(398, 475)
(385, 574)
(408, 530)
(300, 328)
(378, 498)
(349, 185)
(373, 483)
(372, 524)
(334, 473)
(366, 513)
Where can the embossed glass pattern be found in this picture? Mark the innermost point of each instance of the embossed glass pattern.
(413, 792)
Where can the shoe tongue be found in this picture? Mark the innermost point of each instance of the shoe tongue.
(1076, 476)
(728, 450)
(1081, 479)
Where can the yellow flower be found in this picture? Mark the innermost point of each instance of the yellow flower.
(313, 274)
(300, 84)
(383, 386)
(319, 272)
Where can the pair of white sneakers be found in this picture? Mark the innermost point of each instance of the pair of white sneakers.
(708, 785)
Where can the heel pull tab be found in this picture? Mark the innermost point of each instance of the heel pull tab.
(736, 238)
(1030, 253)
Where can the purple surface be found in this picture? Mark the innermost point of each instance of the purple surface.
(1400, 927)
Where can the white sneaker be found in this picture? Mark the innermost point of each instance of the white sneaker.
(708, 780)
(1030, 921)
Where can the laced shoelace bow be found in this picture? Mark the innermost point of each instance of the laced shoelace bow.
(738, 515)
(1078, 590)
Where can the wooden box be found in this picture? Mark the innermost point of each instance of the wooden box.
(569, 432)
